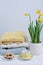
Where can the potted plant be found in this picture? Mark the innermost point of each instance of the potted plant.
(34, 31)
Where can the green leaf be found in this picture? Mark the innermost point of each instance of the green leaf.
(34, 31)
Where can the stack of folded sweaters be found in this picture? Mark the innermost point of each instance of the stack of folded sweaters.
(13, 37)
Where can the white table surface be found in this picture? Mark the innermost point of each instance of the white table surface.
(36, 60)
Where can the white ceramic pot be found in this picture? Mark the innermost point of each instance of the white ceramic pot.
(36, 48)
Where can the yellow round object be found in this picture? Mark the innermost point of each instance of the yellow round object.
(25, 56)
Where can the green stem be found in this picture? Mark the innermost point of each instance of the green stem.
(30, 18)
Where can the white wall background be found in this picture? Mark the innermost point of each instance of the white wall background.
(12, 14)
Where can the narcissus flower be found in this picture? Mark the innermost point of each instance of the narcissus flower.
(38, 11)
(34, 30)
(26, 14)
(41, 20)
(41, 14)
